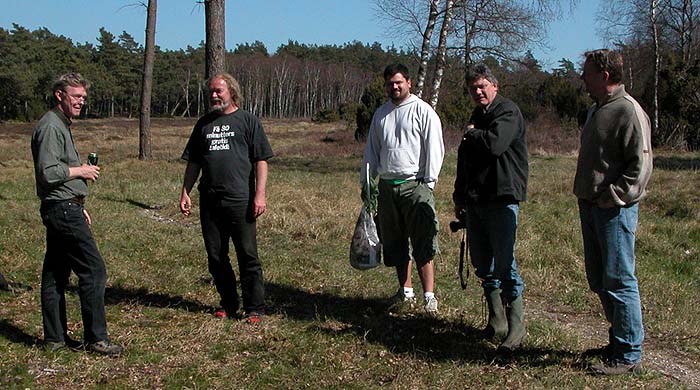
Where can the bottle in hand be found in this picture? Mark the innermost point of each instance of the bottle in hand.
(92, 159)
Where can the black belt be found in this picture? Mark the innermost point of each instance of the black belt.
(77, 199)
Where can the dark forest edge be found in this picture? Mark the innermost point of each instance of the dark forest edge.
(324, 82)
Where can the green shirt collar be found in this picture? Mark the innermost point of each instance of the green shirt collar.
(62, 116)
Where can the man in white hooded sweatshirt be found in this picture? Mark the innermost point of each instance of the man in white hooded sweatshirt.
(405, 148)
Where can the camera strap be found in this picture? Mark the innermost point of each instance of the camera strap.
(463, 253)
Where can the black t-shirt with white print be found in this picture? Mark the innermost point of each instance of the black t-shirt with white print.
(227, 147)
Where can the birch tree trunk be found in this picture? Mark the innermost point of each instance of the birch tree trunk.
(441, 50)
(425, 48)
(653, 14)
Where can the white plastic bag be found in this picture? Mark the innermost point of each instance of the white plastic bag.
(365, 248)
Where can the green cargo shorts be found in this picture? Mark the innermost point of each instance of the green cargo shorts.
(407, 212)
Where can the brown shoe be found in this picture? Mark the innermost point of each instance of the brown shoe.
(616, 368)
(53, 346)
(105, 347)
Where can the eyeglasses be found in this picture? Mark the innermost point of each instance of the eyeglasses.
(76, 97)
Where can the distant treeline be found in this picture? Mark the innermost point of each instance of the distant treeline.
(297, 81)
(325, 82)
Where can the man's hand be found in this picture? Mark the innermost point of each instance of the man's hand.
(191, 175)
(259, 205)
(89, 172)
(185, 204)
(371, 203)
(259, 200)
(87, 217)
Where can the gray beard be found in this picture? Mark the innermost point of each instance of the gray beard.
(219, 108)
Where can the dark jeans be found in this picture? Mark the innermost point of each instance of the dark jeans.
(224, 220)
(3, 283)
(71, 247)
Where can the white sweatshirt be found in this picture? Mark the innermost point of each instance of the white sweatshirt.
(405, 142)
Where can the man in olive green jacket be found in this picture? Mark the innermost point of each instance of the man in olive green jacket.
(61, 184)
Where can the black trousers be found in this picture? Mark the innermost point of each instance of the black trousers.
(223, 221)
(71, 247)
(3, 283)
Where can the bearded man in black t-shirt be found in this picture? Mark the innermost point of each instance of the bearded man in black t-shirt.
(230, 149)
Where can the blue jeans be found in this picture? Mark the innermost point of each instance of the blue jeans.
(608, 246)
(491, 229)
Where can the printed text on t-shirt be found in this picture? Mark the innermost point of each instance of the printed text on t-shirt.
(219, 138)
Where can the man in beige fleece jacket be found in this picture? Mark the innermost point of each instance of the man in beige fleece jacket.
(614, 167)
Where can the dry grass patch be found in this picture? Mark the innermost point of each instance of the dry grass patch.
(327, 324)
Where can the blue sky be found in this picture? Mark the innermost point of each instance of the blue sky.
(181, 23)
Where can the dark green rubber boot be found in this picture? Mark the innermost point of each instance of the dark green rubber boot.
(498, 325)
(516, 326)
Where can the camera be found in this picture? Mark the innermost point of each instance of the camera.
(460, 223)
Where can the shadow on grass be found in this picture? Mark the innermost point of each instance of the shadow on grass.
(142, 205)
(430, 339)
(427, 338)
(141, 296)
(15, 334)
(315, 164)
(677, 163)
(132, 202)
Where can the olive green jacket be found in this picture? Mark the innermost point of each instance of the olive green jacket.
(54, 152)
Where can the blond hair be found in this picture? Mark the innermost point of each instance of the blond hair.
(233, 87)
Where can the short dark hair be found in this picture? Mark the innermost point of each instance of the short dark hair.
(478, 72)
(393, 69)
(606, 60)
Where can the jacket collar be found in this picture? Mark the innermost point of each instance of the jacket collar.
(62, 116)
(617, 93)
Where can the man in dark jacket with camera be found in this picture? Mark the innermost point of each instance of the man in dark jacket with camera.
(492, 171)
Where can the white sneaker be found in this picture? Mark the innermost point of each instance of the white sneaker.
(431, 306)
(400, 303)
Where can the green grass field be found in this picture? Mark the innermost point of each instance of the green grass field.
(327, 324)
